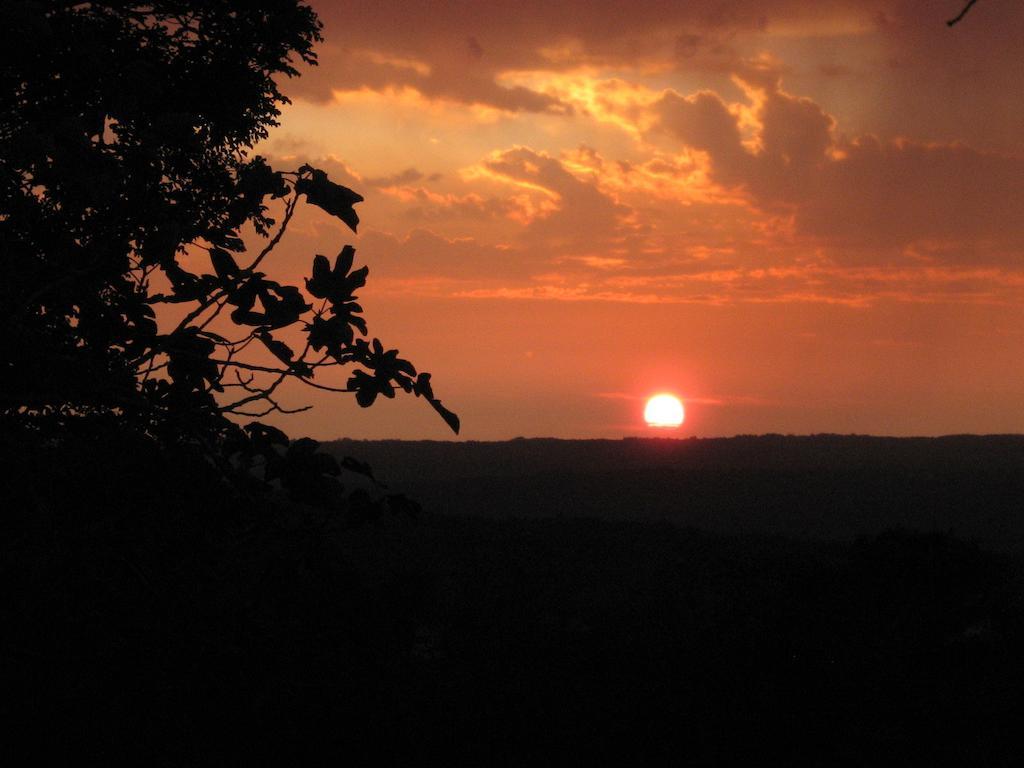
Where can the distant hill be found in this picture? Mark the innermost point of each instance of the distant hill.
(148, 610)
(814, 487)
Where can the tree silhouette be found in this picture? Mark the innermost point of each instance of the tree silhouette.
(125, 183)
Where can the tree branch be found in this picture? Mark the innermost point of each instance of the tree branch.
(289, 211)
(962, 13)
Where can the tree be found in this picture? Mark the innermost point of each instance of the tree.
(125, 138)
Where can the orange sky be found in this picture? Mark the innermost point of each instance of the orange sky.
(799, 217)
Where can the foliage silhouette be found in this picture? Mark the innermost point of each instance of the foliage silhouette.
(125, 186)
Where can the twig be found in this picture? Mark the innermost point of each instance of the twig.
(289, 211)
(962, 13)
(324, 386)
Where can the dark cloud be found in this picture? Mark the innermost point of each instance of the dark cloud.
(425, 256)
(862, 191)
(458, 51)
(687, 45)
(584, 217)
(447, 42)
(441, 79)
(408, 176)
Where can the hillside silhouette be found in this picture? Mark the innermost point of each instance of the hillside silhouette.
(815, 487)
(159, 616)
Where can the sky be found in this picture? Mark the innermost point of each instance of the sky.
(798, 217)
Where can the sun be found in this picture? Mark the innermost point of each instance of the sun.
(664, 411)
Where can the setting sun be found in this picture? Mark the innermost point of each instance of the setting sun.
(664, 411)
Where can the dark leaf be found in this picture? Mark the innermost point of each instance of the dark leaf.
(248, 317)
(332, 198)
(223, 263)
(358, 323)
(277, 348)
(450, 418)
(320, 284)
(283, 304)
(337, 285)
(257, 179)
(343, 263)
(356, 280)
(230, 241)
(245, 296)
(332, 334)
(366, 396)
(422, 386)
(405, 367)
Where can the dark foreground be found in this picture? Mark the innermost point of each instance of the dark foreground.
(818, 487)
(155, 617)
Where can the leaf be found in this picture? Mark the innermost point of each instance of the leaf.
(284, 353)
(320, 283)
(333, 334)
(404, 366)
(343, 263)
(336, 285)
(283, 303)
(227, 240)
(189, 362)
(332, 198)
(422, 387)
(248, 317)
(223, 263)
(257, 179)
(450, 418)
(356, 280)
(245, 296)
(365, 387)
(277, 348)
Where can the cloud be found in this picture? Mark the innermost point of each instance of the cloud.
(408, 176)
(460, 54)
(459, 76)
(454, 263)
(857, 193)
(756, 177)
(580, 217)
(703, 121)
(457, 51)
(424, 204)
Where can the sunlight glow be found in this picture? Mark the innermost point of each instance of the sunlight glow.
(664, 411)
